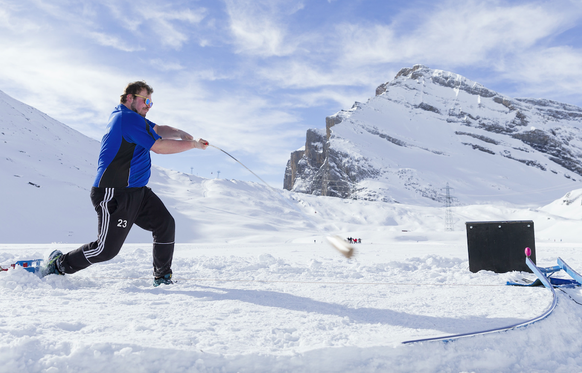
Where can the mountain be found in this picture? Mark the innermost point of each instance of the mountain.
(46, 170)
(430, 132)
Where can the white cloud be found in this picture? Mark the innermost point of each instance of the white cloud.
(455, 33)
(166, 66)
(237, 120)
(169, 23)
(259, 27)
(13, 23)
(552, 72)
(113, 41)
(343, 98)
(166, 24)
(497, 36)
(79, 94)
(312, 74)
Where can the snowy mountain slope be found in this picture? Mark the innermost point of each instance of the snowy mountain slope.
(219, 210)
(429, 128)
(47, 170)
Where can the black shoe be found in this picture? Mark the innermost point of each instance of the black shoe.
(51, 264)
(166, 280)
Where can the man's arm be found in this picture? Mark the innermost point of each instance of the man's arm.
(169, 143)
(171, 146)
(168, 132)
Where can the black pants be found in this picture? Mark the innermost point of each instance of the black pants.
(117, 210)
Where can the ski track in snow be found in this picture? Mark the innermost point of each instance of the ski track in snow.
(282, 308)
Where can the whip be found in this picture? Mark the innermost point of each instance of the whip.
(337, 242)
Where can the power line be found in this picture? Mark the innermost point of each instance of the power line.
(449, 222)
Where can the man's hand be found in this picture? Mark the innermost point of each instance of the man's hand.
(175, 141)
(202, 144)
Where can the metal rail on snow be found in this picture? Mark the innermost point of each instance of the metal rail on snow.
(544, 276)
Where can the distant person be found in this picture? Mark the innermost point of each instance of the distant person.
(120, 195)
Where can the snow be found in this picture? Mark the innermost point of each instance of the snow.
(284, 307)
(287, 301)
(258, 288)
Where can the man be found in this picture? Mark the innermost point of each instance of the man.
(120, 195)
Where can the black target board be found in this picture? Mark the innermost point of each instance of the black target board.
(499, 246)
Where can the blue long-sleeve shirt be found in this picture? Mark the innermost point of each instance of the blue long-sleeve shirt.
(124, 159)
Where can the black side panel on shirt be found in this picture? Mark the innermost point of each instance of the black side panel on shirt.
(117, 173)
(149, 128)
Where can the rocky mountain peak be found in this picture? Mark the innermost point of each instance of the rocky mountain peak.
(426, 128)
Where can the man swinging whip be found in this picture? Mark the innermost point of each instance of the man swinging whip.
(120, 194)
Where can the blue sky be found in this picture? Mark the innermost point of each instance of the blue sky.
(251, 76)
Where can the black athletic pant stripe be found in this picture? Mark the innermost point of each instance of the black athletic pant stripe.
(118, 209)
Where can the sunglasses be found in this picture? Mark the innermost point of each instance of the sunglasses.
(146, 100)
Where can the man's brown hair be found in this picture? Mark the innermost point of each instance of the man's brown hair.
(135, 88)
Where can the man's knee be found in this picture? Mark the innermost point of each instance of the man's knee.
(171, 223)
(167, 230)
(103, 251)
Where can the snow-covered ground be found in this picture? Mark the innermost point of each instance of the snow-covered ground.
(293, 304)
